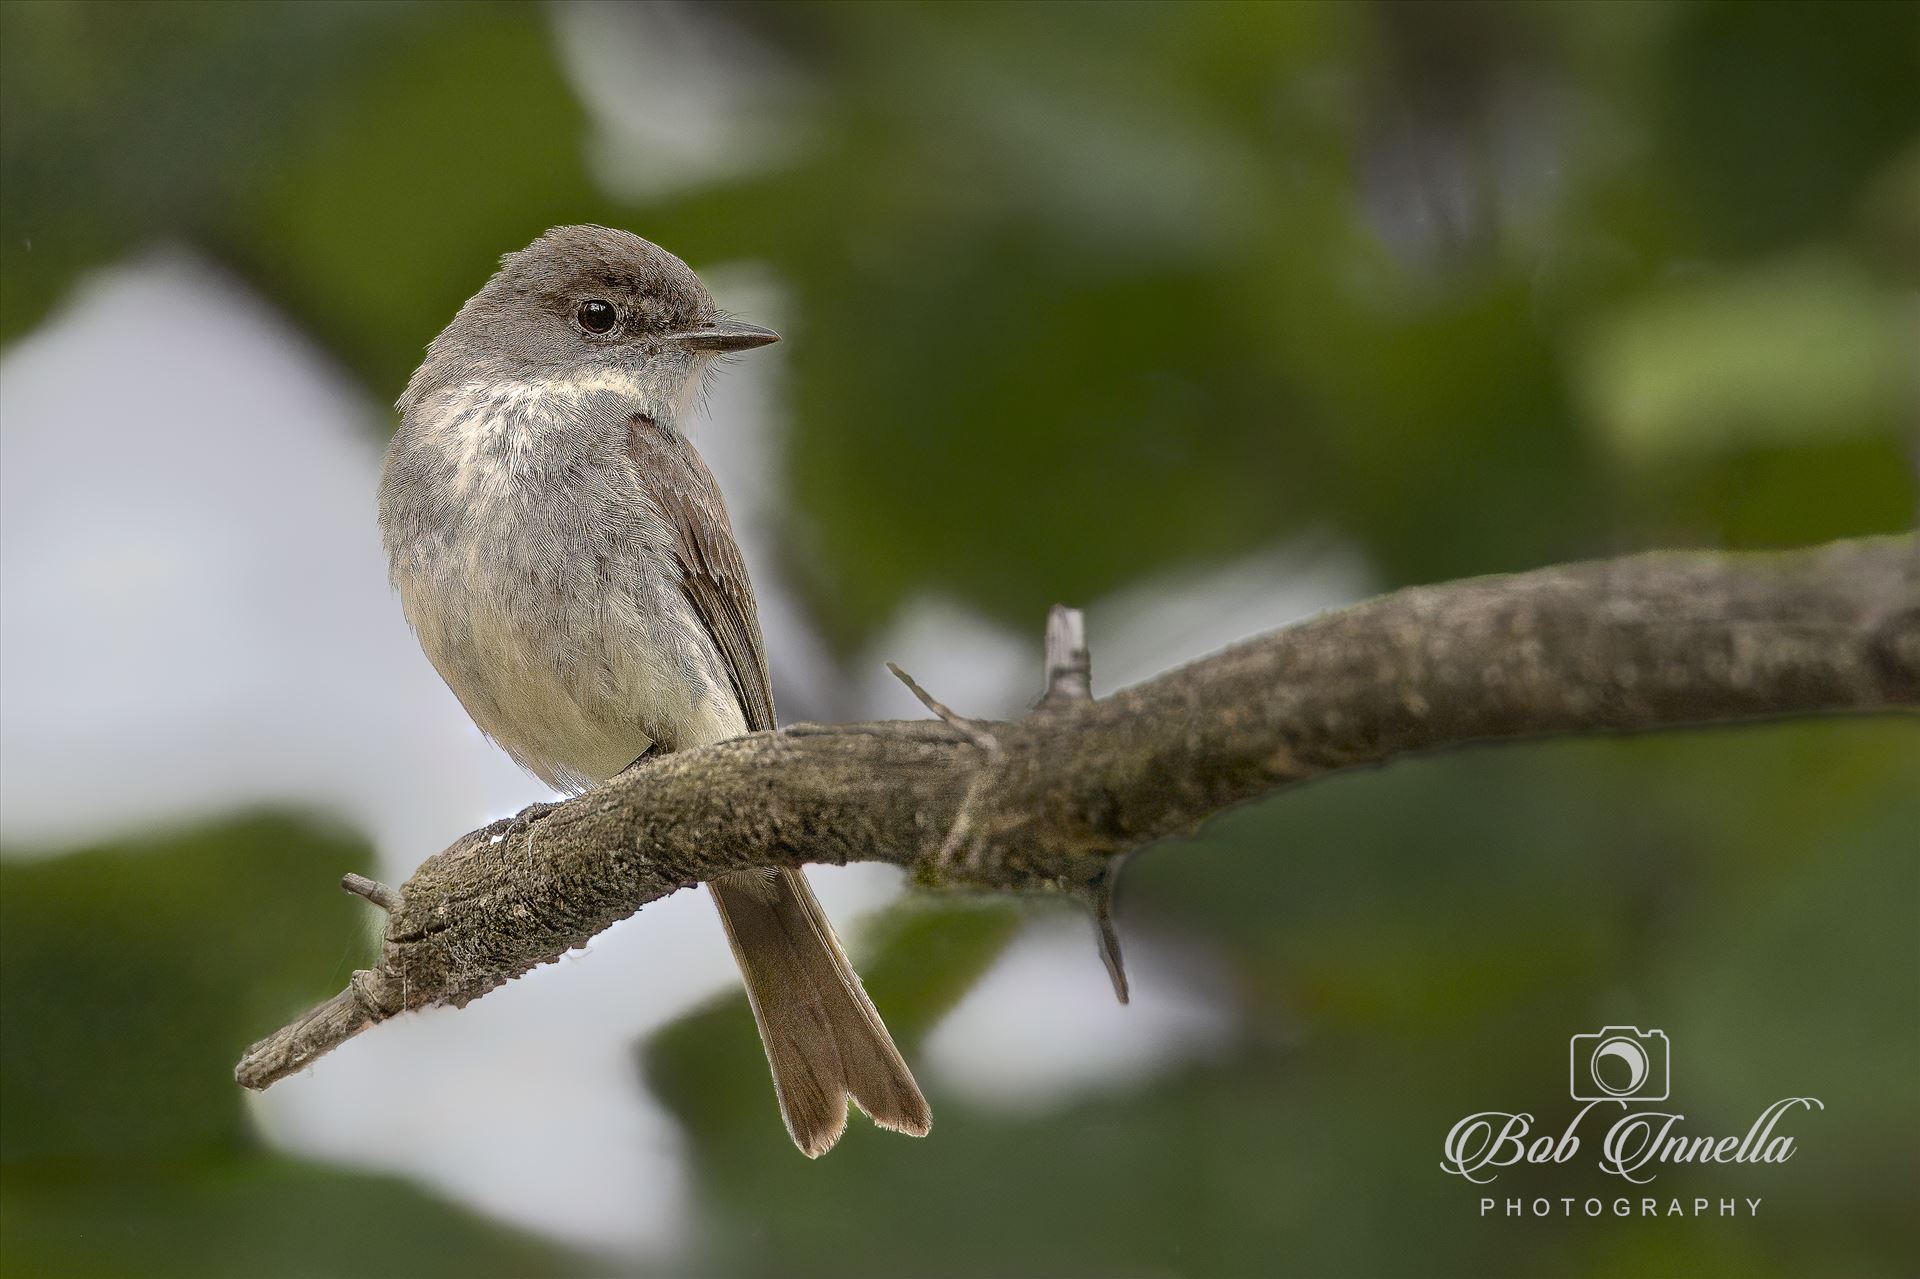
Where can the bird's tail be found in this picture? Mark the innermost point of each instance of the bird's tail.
(824, 1040)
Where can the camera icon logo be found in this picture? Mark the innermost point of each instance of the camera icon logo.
(1621, 1063)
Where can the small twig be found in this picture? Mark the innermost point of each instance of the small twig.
(1099, 899)
(969, 729)
(322, 1029)
(962, 825)
(1069, 664)
(959, 832)
(1069, 682)
(371, 889)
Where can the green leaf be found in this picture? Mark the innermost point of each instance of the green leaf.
(132, 977)
(246, 1218)
(1804, 351)
(145, 970)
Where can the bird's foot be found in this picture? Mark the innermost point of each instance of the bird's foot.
(519, 824)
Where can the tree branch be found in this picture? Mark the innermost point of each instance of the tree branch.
(1649, 642)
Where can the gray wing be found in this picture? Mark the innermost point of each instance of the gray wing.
(824, 1039)
(713, 575)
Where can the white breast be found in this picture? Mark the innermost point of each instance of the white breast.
(541, 584)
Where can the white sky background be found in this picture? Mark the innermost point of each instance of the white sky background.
(192, 596)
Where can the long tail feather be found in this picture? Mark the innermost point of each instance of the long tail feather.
(824, 1040)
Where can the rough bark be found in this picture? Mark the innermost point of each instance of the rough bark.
(1649, 642)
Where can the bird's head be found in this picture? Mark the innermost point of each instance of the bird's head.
(591, 308)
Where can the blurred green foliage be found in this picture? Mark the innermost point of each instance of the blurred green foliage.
(1048, 266)
(1414, 945)
(132, 978)
(1079, 296)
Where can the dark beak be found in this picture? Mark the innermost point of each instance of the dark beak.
(724, 335)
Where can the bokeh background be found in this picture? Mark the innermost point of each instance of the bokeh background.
(1202, 316)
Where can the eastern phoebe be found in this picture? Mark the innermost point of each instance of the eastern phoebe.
(564, 556)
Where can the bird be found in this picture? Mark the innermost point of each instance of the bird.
(565, 558)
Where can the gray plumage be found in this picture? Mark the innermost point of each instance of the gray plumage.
(565, 558)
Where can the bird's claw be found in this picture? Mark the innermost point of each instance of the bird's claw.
(518, 824)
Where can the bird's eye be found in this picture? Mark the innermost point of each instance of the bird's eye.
(595, 316)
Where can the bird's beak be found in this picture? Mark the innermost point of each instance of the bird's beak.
(724, 335)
